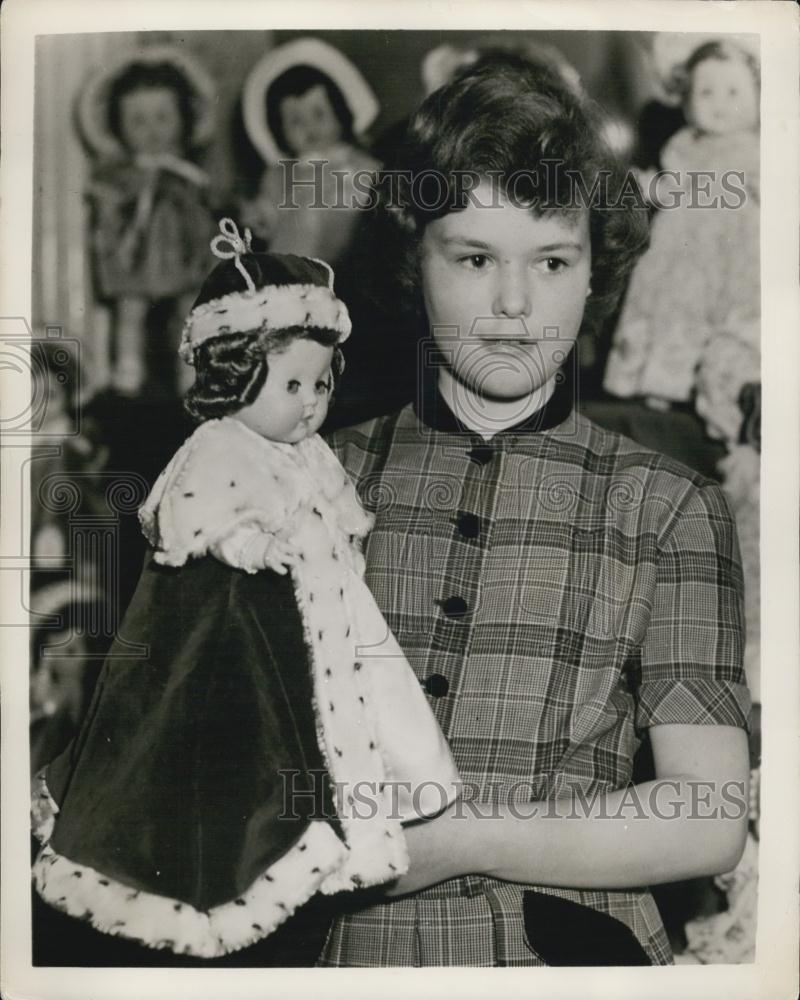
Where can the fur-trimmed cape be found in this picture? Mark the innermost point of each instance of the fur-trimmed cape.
(251, 755)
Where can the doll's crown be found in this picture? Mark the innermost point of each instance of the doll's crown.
(280, 291)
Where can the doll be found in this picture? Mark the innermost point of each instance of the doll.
(150, 217)
(306, 102)
(275, 737)
(689, 332)
(695, 294)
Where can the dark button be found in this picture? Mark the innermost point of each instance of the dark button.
(469, 525)
(481, 453)
(454, 607)
(436, 685)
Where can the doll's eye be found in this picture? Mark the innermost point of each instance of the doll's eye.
(323, 386)
(292, 386)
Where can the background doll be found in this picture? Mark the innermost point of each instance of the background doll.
(696, 292)
(192, 810)
(306, 101)
(689, 333)
(150, 218)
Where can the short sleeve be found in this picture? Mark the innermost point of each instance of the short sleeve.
(692, 669)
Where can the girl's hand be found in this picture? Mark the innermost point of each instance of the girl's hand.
(438, 849)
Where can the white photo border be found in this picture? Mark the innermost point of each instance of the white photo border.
(774, 974)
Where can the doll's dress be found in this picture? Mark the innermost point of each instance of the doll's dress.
(167, 819)
(292, 216)
(696, 291)
(151, 227)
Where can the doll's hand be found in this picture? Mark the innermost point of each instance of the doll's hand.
(278, 554)
(251, 549)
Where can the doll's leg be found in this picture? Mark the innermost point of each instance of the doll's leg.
(129, 365)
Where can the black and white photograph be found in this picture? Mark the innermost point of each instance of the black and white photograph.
(395, 573)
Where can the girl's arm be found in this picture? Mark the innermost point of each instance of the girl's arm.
(690, 821)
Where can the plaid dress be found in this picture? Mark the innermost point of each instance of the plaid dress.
(557, 590)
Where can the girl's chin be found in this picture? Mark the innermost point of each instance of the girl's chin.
(507, 390)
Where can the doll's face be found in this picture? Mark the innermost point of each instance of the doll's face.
(150, 121)
(293, 402)
(309, 122)
(723, 97)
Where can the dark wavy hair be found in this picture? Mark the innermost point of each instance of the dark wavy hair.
(230, 370)
(502, 118)
(296, 81)
(149, 76)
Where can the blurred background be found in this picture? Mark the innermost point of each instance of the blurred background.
(106, 323)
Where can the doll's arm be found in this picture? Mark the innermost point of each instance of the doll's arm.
(251, 548)
(338, 488)
(353, 519)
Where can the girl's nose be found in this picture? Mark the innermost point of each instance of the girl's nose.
(512, 293)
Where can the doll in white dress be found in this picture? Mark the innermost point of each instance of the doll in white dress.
(274, 738)
(305, 108)
(689, 330)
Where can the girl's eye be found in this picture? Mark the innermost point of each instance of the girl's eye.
(475, 261)
(292, 386)
(552, 265)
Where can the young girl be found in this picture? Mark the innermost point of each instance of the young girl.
(274, 738)
(690, 325)
(306, 102)
(151, 221)
(562, 592)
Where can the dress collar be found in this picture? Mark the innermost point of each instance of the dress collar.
(432, 410)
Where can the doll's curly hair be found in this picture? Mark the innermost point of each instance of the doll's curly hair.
(149, 76)
(231, 369)
(502, 118)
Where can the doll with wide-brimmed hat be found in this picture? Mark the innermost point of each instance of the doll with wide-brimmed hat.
(145, 118)
(306, 110)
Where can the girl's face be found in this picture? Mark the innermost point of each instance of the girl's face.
(150, 121)
(723, 97)
(504, 293)
(293, 402)
(309, 121)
